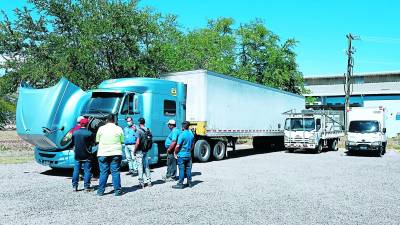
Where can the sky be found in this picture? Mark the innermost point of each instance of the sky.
(320, 27)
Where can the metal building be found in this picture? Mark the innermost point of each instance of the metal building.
(368, 89)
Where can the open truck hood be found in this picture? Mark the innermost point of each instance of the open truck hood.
(45, 116)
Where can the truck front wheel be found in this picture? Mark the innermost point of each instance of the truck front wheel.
(318, 149)
(202, 150)
(333, 145)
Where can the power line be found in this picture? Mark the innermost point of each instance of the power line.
(381, 40)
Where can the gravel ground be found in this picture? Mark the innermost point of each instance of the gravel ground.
(269, 188)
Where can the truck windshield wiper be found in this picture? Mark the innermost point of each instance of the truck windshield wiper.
(98, 111)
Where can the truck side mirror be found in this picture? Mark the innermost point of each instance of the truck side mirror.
(384, 130)
(136, 104)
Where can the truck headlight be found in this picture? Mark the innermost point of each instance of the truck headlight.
(311, 139)
(376, 143)
(351, 143)
(285, 138)
(67, 138)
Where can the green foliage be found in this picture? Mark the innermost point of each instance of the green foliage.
(88, 41)
(310, 100)
(7, 112)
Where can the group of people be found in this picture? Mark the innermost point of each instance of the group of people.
(111, 140)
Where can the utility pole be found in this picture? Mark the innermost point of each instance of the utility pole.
(348, 81)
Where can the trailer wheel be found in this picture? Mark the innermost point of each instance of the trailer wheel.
(333, 145)
(219, 150)
(202, 150)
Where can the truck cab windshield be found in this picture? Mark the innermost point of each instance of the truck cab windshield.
(300, 124)
(364, 126)
(103, 103)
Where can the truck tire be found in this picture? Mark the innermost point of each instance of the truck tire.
(384, 149)
(202, 150)
(318, 149)
(379, 152)
(290, 150)
(219, 150)
(333, 145)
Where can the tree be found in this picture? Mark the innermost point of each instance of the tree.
(88, 41)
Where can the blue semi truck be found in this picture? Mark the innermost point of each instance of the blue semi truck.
(220, 108)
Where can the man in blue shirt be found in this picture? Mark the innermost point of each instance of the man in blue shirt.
(130, 141)
(170, 144)
(183, 154)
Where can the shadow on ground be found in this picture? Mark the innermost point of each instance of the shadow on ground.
(362, 154)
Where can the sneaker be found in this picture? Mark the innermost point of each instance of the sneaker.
(119, 193)
(178, 186)
(149, 184)
(88, 189)
(141, 185)
(129, 173)
(74, 189)
(100, 193)
(135, 173)
(189, 184)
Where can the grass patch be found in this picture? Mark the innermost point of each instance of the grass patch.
(15, 159)
(394, 143)
(3, 148)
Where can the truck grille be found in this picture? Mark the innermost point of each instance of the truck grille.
(47, 155)
(298, 140)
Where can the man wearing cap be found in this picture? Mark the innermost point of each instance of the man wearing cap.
(78, 125)
(83, 139)
(130, 141)
(183, 153)
(170, 144)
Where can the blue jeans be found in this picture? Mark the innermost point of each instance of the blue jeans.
(87, 173)
(171, 166)
(142, 161)
(130, 158)
(185, 163)
(109, 164)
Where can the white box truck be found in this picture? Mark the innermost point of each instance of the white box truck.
(313, 130)
(366, 130)
(223, 108)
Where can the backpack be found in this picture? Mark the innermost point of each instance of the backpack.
(146, 139)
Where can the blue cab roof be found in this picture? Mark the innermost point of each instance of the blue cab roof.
(138, 85)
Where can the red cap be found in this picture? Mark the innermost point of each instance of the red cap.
(84, 122)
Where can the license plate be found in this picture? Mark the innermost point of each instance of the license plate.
(46, 162)
(363, 148)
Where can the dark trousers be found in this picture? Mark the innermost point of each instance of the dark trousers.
(185, 163)
(87, 174)
(171, 165)
(109, 164)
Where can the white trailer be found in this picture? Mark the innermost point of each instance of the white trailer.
(313, 130)
(366, 130)
(223, 108)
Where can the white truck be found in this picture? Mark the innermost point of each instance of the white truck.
(366, 130)
(223, 108)
(313, 130)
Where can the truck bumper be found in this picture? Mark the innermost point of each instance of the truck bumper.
(362, 147)
(55, 159)
(300, 145)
